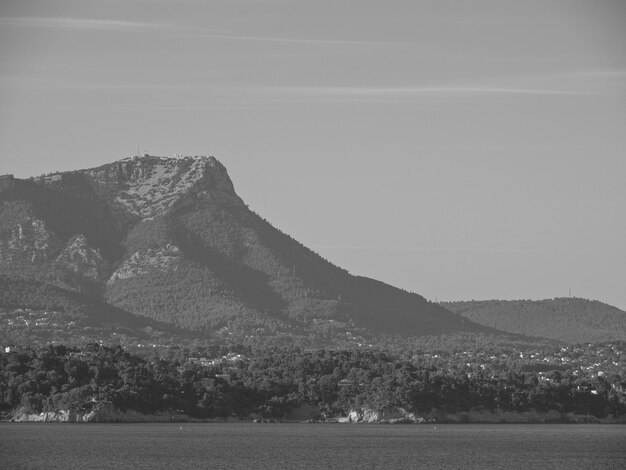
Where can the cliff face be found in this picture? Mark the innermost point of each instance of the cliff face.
(478, 415)
(29, 241)
(149, 186)
(79, 257)
(102, 413)
(168, 238)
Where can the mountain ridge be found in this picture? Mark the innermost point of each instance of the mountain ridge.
(169, 239)
(568, 319)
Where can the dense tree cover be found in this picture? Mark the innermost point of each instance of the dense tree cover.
(20, 293)
(33, 312)
(270, 383)
(27, 293)
(36, 313)
(573, 320)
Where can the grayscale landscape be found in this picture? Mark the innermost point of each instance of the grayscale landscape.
(219, 216)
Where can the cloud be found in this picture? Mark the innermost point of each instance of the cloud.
(78, 23)
(278, 39)
(43, 83)
(416, 91)
(598, 73)
(192, 32)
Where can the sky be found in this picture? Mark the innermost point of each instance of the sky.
(460, 150)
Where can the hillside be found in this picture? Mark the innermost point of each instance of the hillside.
(32, 312)
(169, 239)
(572, 320)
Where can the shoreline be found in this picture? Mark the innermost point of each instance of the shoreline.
(112, 415)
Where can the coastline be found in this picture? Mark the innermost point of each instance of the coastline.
(110, 414)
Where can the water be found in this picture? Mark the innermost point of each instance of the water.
(309, 446)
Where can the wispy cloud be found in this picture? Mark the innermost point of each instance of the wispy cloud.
(78, 23)
(598, 73)
(192, 32)
(195, 108)
(282, 39)
(406, 92)
(43, 83)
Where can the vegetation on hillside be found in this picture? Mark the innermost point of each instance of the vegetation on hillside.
(572, 320)
(34, 313)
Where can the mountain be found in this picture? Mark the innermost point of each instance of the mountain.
(168, 239)
(572, 320)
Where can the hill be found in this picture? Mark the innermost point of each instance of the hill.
(169, 240)
(572, 320)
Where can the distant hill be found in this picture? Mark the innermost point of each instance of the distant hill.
(168, 239)
(572, 320)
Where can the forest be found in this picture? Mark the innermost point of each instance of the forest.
(240, 383)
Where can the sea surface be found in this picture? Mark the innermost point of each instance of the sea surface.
(310, 446)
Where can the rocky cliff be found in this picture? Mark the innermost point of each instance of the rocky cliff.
(478, 415)
(102, 413)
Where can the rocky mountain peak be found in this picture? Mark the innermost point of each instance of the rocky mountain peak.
(148, 186)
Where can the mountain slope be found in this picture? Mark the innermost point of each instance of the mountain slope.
(169, 239)
(33, 312)
(572, 320)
